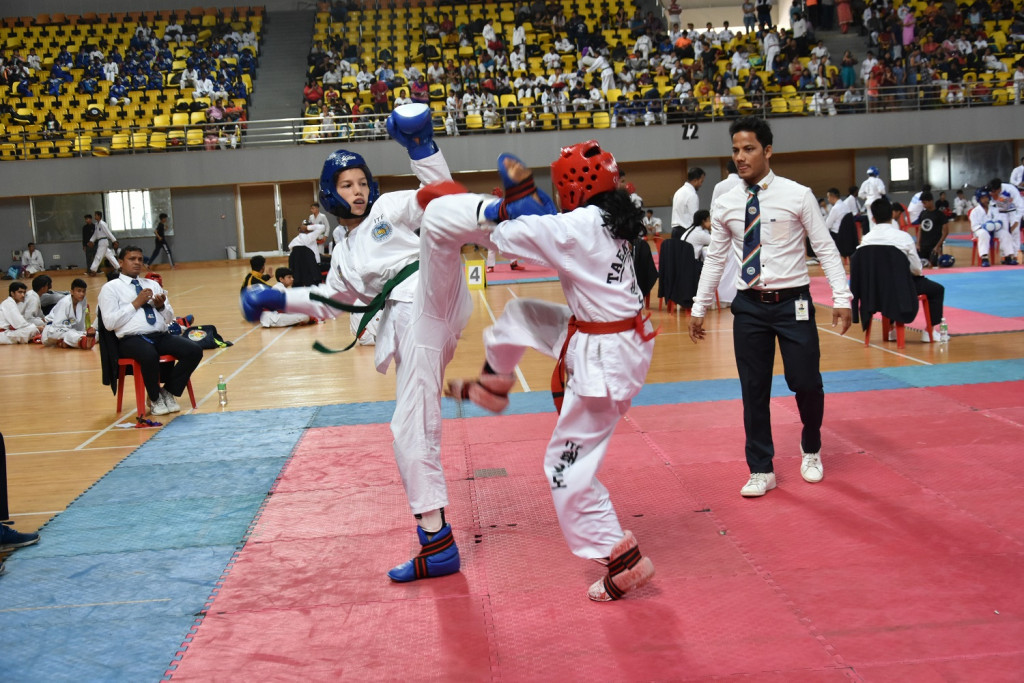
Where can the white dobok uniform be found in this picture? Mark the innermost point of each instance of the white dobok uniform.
(871, 189)
(605, 371)
(362, 262)
(14, 329)
(1010, 203)
(65, 322)
(103, 239)
(986, 224)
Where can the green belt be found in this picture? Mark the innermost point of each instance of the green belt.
(369, 310)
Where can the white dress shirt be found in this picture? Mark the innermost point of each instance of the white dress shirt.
(1017, 176)
(835, 215)
(699, 238)
(789, 213)
(723, 186)
(685, 203)
(121, 317)
(889, 235)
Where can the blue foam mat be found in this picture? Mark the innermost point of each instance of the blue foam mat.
(993, 292)
(119, 579)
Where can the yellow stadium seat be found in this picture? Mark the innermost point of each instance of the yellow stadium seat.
(194, 137)
(179, 119)
(158, 141)
(474, 122)
(197, 118)
(119, 143)
(602, 119)
(82, 144)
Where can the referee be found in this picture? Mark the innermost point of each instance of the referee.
(765, 221)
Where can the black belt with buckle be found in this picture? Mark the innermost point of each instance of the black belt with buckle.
(774, 296)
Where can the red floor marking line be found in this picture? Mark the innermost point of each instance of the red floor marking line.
(758, 569)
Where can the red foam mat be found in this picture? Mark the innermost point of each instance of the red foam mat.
(902, 565)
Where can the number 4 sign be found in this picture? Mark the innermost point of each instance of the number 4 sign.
(476, 274)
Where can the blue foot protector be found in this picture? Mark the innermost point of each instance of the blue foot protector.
(439, 556)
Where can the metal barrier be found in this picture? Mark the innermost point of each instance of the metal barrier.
(109, 139)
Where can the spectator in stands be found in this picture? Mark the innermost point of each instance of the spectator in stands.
(51, 126)
(364, 79)
(119, 93)
(749, 16)
(764, 13)
(312, 93)
(379, 95)
(189, 78)
(402, 97)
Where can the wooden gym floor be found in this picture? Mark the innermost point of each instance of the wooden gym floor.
(62, 432)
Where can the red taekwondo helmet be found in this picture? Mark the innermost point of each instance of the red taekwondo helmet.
(583, 171)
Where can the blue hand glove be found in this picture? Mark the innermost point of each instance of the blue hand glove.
(259, 298)
(507, 182)
(528, 205)
(413, 127)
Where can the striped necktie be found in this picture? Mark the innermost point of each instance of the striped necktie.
(750, 269)
(146, 308)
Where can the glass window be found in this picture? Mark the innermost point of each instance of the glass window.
(129, 213)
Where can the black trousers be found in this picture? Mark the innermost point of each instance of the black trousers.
(5, 514)
(147, 349)
(165, 247)
(755, 328)
(936, 294)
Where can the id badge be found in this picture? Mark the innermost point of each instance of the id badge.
(801, 310)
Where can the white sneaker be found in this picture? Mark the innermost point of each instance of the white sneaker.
(892, 334)
(158, 407)
(926, 338)
(811, 468)
(760, 483)
(170, 401)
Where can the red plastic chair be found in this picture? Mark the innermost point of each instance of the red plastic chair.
(126, 364)
(993, 248)
(901, 340)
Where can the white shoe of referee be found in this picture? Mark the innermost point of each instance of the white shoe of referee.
(159, 407)
(811, 468)
(759, 484)
(169, 401)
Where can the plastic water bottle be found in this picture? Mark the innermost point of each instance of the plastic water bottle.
(222, 390)
(943, 332)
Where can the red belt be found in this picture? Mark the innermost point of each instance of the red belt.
(558, 377)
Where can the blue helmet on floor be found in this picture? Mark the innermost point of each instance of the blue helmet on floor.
(873, 170)
(946, 261)
(339, 161)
